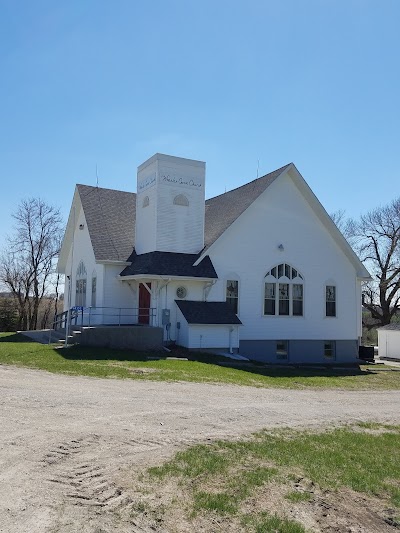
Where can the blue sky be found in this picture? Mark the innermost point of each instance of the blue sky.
(238, 84)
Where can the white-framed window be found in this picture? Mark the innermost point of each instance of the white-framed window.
(94, 289)
(81, 280)
(146, 201)
(330, 300)
(330, 350)
(232, 294)
(283, 291)
(282, 349)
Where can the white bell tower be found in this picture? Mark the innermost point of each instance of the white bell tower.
(170, 205)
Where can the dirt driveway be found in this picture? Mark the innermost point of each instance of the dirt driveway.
(66, 442)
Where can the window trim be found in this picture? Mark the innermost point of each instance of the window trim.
(232, 298)
(272, 278)
(329, 284)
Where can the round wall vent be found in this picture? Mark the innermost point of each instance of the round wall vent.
(181, 292)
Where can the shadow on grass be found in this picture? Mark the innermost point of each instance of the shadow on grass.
(88, 353)
(85, 353)
(14, 337)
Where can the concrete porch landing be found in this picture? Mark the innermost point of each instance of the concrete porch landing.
(147, 338)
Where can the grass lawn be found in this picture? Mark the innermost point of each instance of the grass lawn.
(258, 482)
(15, 349)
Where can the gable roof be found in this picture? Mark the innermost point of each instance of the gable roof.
(110, 217)
(223, 210)
(207, 312)
(170, 264)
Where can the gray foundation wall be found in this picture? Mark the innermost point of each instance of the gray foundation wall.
(125, 338)
(300, 351)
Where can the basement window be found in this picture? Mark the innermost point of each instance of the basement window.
(282, 349)
(329, 350)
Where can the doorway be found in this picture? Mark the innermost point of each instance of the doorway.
(144, 304)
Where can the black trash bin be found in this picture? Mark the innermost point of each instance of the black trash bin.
(366, 353)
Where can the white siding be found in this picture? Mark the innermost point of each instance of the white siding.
(182, 336)
(212, 336)
(117, 296)
(167, 296)
(81, 250)
(162, 225)
(250, 247)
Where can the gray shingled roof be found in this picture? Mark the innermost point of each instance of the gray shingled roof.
(111, 214)
(207, 312)
(223, 210)
(170, 264)
(392, 327)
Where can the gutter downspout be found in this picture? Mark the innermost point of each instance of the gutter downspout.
(231, 330)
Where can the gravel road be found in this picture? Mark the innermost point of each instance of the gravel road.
(67, 442)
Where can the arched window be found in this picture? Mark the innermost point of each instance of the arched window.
(81, 278)
(283, 291)
(146, 201)
(181, 200)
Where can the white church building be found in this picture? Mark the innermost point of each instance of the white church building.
(261, 269)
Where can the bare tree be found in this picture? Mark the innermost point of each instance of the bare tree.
(377, 239)
(344, 224)
(27, 264)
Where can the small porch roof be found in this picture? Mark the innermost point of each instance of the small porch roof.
(212, 313)
(169, 264)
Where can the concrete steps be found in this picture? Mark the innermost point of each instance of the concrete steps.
(51, 336)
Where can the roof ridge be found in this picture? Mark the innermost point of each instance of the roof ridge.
(104, 188)
(250, 182)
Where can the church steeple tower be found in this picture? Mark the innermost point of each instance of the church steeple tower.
(170, 205)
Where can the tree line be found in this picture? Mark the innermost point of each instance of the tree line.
(29, 279)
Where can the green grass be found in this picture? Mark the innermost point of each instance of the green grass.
(295, 496)
(15, 349)
(264, 522)
(220, 478)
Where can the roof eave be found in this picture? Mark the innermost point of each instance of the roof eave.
(164, 277)
(327, 221)
(69, 232)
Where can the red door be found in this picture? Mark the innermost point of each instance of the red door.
(144, 304)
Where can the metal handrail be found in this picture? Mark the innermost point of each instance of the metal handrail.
(87, 316)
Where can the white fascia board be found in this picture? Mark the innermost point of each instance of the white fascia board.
(319, 210)
(158, 276)
(66, 244)
(113, 262)
(214, 325)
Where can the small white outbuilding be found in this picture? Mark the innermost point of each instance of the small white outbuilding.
(389, 341)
